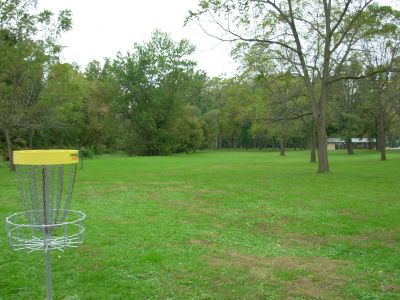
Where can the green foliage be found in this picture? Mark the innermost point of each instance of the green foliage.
(154, 82)
(86, 153)
(187, 131)
(211, 128)
(346, 109)
(103, 129)
(153, 100)
(28, 45)
(64, 100)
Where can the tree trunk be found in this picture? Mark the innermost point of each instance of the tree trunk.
(282, 146)
(62, 140)
(381, 139)
(273, 143)
(31, 134)
(313, 156)
(323, 163)
(321, 108)
(9, 148)
(349, 146)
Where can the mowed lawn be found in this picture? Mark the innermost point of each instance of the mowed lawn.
(222, 225)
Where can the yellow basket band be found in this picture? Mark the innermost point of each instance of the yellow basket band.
(46, 157)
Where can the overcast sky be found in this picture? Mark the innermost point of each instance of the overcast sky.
(102, 28)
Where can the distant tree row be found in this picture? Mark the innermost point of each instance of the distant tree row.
(322, 42)
(154, 101)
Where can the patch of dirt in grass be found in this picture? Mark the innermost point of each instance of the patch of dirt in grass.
(278, 228)
(88, 250)
(217, 225)
(275, 228)
(288, 239)
(303, 240)
(174, 188)
(153, 183)
(262, 227)
(356, 217)
(116, 188)
(199, 242)
(386, 238)
(116, 221)
(390, 288)
(314, 277)
(389, 238)
(89, 193)
(169, 186)
(196, 207)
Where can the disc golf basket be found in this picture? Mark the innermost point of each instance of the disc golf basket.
(46, 180)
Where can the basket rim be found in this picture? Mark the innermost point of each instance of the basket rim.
(81, 217)
(45, 157)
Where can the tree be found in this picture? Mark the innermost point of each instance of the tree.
(27, 44)
(381, 107)
(346, 110)
(153, 88)
(187, 130)
(103, 130)
(381, 51)
(237, 113)
(64, 104)
(315, 37)
(215, 93)
(281, 92)
(283, 103)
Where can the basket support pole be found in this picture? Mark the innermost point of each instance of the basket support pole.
(47, 233)
(49, 288)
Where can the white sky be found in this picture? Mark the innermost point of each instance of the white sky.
(101, 28)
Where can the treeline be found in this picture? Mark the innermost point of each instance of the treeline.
(154, 101)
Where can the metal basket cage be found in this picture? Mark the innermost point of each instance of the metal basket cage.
(46, 223)
(46, 188)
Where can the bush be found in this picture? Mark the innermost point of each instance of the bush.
(86, 153)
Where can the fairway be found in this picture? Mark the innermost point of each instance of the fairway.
(222, 225)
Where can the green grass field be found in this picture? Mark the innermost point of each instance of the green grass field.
(222, 225)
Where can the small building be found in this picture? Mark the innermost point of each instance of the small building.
(358, 143)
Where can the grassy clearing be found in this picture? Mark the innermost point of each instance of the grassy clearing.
(223, 225)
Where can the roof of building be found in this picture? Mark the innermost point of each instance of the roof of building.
(353, 140)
